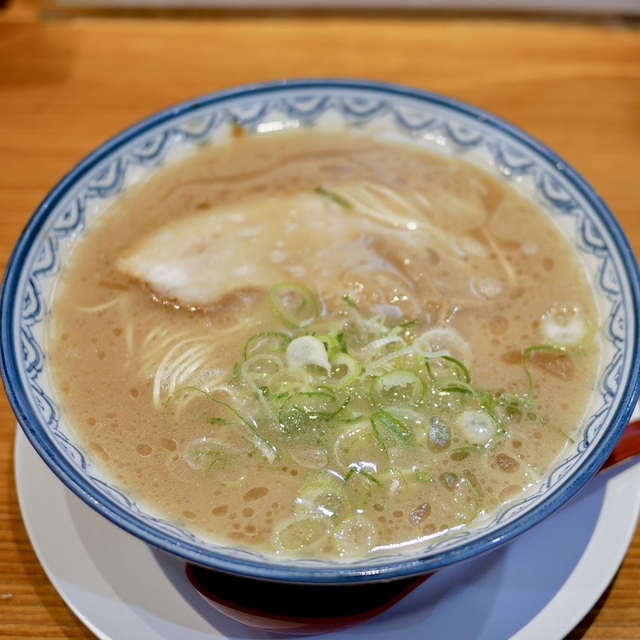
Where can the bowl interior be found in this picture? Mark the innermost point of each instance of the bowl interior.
(438, 124)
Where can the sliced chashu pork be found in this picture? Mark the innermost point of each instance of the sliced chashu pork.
(201, 259)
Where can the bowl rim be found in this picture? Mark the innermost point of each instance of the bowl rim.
(405, 565)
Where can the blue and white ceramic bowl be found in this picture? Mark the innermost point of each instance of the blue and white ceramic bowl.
(441, 125)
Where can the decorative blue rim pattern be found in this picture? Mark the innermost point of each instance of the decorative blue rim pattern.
(434, 121)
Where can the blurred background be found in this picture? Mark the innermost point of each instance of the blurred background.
(575, 8)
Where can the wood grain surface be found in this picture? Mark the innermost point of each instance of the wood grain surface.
(67, 84)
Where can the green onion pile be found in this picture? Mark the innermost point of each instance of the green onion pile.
(370, 412)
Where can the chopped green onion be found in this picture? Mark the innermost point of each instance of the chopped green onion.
(307, 350)
(288, 381)
(460, 369)
(354, 535)
(294, 303)
(330, 342)
(343, 202)
(260, 368)
(422, 475)
(186, 394)
(268, 342)
(300, 408)
(344, 370)
(355, 470)
(300, 532)
(347, 396)
(383, 422)
(451, 369)
(399, 386)
(456, 387)
(324, 496)
(478, 426)
(564, 326)
(350, 301)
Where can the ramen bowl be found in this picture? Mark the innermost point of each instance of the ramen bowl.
(435, 123)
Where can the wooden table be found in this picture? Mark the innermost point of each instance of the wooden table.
(68, 84)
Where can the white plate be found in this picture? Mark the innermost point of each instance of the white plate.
(538, 586)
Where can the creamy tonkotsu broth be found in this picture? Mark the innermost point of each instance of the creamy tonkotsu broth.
(324, 345)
